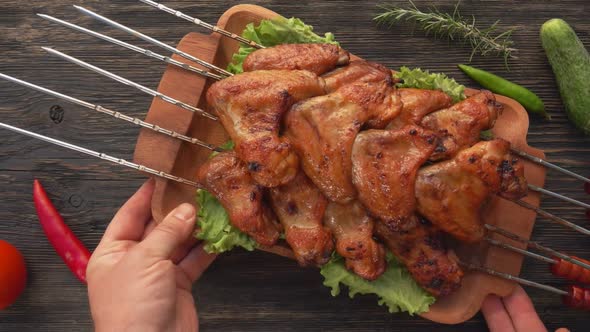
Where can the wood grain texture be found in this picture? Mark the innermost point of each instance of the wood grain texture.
(241, 291)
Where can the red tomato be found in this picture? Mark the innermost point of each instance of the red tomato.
(13, 274)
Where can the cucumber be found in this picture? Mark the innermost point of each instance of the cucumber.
(571, 66)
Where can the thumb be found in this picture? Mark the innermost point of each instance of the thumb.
(172, 232)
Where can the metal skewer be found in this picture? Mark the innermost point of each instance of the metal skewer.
(514, 278)
(559, 196)
(101, 155)
(547, 164)
(200, 23)
(552, 217)
(112, 113)
(520, 251)
(132, 47)
(152, 40)
(536, 245)
(130, 83)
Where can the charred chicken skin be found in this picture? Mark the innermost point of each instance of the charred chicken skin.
(300, 207)
(384, 168)
(353, 231)
(421, 250)
(250, 107)
(356, 71)
(317, 58)
(417, 103)
(459, 126)
(451, 193)
(322, 131)
(227, 178)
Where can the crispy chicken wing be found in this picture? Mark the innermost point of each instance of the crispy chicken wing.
(300, 207)
(422, 251)
(353, 230)
(357, 71)
(384, 167)
(227, 178)
(451, 193)
(317, 58)
(322, 130)
(417, 103)
(250, 107)
(459, 126)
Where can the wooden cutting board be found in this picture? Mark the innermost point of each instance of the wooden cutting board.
(183, 159)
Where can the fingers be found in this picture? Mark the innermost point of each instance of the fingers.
(196, 262)
(512, 313)
(129, 222)
(149, 227)
(171, 233)
(183, 250)
(522, 312)
(496, 315)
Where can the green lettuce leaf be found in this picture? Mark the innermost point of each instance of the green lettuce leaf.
(423, 79)
(395, 288)
(215, 228)
(273, 32)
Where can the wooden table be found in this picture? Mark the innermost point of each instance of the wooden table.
(241, 291)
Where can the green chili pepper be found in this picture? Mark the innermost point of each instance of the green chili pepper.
(499, 85)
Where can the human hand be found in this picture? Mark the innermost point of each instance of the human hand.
(513, 313)
(141, 274)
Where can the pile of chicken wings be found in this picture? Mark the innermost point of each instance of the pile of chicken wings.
(329, 152)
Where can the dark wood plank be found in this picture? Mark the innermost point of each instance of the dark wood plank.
(269, 293)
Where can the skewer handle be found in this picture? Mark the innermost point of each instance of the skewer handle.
(200, 23)
(100, 155)
(573, 272)
(577, 297)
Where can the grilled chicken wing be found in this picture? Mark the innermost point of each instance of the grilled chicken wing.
(451, 193)
(459, 126)
(384, 167)
(357, 71)
(353, 230)
(250, 107)
(300, 207)
(417, 103)
(227, 178)
(421, 250)
(317, 58)
(322, 130)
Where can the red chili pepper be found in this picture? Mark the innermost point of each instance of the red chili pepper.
(66, 244)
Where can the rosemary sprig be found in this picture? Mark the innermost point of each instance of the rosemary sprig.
(453, 26)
